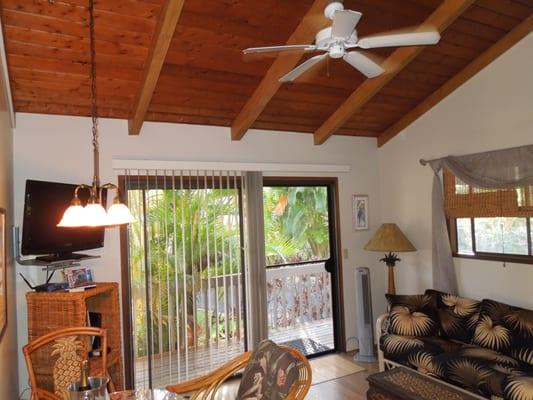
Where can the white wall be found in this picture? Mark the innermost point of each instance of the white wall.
(494, 110)
(8, 338)
(58, 148)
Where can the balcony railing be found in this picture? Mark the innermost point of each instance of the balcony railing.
(299, 306)
(298, 295)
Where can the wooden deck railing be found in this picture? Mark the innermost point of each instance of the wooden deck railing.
(298, 294)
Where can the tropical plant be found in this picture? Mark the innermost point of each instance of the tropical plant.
(296, 224)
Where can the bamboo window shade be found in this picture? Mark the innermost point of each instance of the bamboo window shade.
(466, 201)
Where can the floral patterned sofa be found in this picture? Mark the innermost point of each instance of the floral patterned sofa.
(485, 347)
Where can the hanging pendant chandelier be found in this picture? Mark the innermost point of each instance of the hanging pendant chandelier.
(94, 213)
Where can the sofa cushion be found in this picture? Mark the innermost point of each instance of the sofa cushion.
(457, 315)
(414, 351)
(270, 373)
(519, 387)
(412, 315)
(479, 370)
(505, 328)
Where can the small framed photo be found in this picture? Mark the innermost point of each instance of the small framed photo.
(79, 277)
(360, 212)
(3, 266)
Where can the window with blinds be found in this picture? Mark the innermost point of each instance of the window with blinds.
(185, 267)
(489, 223)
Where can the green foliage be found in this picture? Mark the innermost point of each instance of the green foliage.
(296, 224)
(182, 239)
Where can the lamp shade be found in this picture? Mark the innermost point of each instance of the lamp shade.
(389, 238)
(95, 214)
(74, 216)
(119, 214)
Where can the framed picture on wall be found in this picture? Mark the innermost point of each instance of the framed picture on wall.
(360, 212)
(3, 302)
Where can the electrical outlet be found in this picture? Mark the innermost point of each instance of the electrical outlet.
(345, 254)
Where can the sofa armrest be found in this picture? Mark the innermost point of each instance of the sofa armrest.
(382, 325)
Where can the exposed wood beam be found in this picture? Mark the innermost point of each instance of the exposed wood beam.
(441, 18)
(304, 34)
(493, 52)
(164, 31)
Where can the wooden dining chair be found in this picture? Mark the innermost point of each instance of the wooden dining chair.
(206, 387)
(54, 361)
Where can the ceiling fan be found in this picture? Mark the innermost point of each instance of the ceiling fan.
(340, 40)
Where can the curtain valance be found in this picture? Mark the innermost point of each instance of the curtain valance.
(505, 170)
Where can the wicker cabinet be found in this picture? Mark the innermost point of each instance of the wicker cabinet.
(48, 312)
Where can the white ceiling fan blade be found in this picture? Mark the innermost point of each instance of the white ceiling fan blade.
(303, 47)
(300, 69)
(344, 23)
(400, 39)
(364, 64)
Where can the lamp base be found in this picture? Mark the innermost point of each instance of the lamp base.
(391, 287)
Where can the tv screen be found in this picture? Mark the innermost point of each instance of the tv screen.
(44, 205)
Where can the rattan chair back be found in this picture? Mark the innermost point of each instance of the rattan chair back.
(207, 386)
(54, 360)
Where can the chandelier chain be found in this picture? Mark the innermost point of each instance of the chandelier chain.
(94, 110)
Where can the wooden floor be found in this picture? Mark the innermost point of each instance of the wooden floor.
(320, 331)
(350, 387)
(169, 368)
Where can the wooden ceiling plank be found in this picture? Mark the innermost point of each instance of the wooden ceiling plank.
(166, 25)
(518, 33)
(441, 18)
(304, 33)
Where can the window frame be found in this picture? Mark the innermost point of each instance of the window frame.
(479, 255)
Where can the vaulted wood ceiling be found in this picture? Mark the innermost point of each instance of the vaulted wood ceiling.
(205, 79)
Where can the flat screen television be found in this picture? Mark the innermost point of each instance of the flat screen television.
(44, 205)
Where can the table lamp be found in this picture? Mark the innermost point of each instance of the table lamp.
(390, 239)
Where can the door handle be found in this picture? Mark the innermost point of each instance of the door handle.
(329, 266)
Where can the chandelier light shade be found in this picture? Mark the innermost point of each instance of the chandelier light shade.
(94, 214)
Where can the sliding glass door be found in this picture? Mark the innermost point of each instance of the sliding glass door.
(184, 279)
(300, 256)
(185, 274)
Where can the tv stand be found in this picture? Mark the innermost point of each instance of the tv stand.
(61, 257)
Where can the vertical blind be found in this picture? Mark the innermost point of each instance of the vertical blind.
(185, 255)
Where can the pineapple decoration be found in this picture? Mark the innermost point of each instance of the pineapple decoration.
(67, 368)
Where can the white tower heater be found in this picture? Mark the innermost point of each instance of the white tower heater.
(365, 321)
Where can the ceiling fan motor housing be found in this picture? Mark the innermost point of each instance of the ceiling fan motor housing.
(333, 7)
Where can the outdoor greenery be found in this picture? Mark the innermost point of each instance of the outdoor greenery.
(502, 235)
(192, 238)
(185, 244)
(296, 224)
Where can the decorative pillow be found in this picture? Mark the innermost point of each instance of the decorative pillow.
(270, 373)
(520, 323)
(519, 388)
(505, 328)
(412, 315)
(458, 316)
